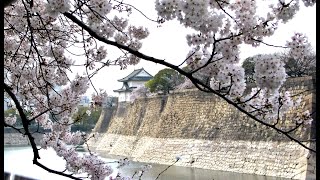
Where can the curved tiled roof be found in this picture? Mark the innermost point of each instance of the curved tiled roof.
(124, 88)
(133, 76)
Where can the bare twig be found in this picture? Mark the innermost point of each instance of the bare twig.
(167, 168)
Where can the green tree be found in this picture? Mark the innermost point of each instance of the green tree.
(165, 80)
(248, 65)
(82, 118)
(300, 67)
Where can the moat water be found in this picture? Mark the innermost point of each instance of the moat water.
(18, 160)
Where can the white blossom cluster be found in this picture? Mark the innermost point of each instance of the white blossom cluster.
(194, 59)
(269, 72)
(167, 8)
(272, 107)
(105, 30)
(119, 29)
(303, 117)
(135, 45)
(96, 167)
(11, 120)
(299, 46)
(225, 30)
(187, 84)
(309, 2)
(121, 38)
(195, 14)
(191, 13)
(287, 101)
(101, 54)
(95, 55)
(120, 23)
(44, 121)
(264, 102)
(264, 28)
(33, 80)
(100, 97)
(58, 54)
(38, 36)
(252, 27)
(229, 50)
(245, 11)
(284, 11)
(141, 91)
(80, 84)
(133, 60)
(197, 40)
(116, 28)
(96, 11)
(138, 32)
(58, 6)
(102, 8)
(230, 78)
(91, 164)
(204, 17)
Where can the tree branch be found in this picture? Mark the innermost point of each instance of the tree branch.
(195, 81)
(26, 123)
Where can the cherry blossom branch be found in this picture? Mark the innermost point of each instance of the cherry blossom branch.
(194, 80)
(17, 129)
(187, 58)
(217, 1)
(253, 96)
(36, 162)
(32, 119)
(122, 3)
(211, 57)
(26, 123)
(268, 43)
(296, 127)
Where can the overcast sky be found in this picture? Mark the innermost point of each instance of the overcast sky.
(168, 42)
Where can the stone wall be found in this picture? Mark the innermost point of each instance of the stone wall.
(271, 158)
(18, 139)
(201, 126)
(103, 122)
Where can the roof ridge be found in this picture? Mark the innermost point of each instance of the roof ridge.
(133, 74)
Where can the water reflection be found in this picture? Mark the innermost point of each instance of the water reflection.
(184, 173)
(18, 160)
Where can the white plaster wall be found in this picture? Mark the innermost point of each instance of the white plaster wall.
(136, 83)
(124, 96)
(127, 94)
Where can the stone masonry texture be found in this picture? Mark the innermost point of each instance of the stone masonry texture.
(202, 127)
